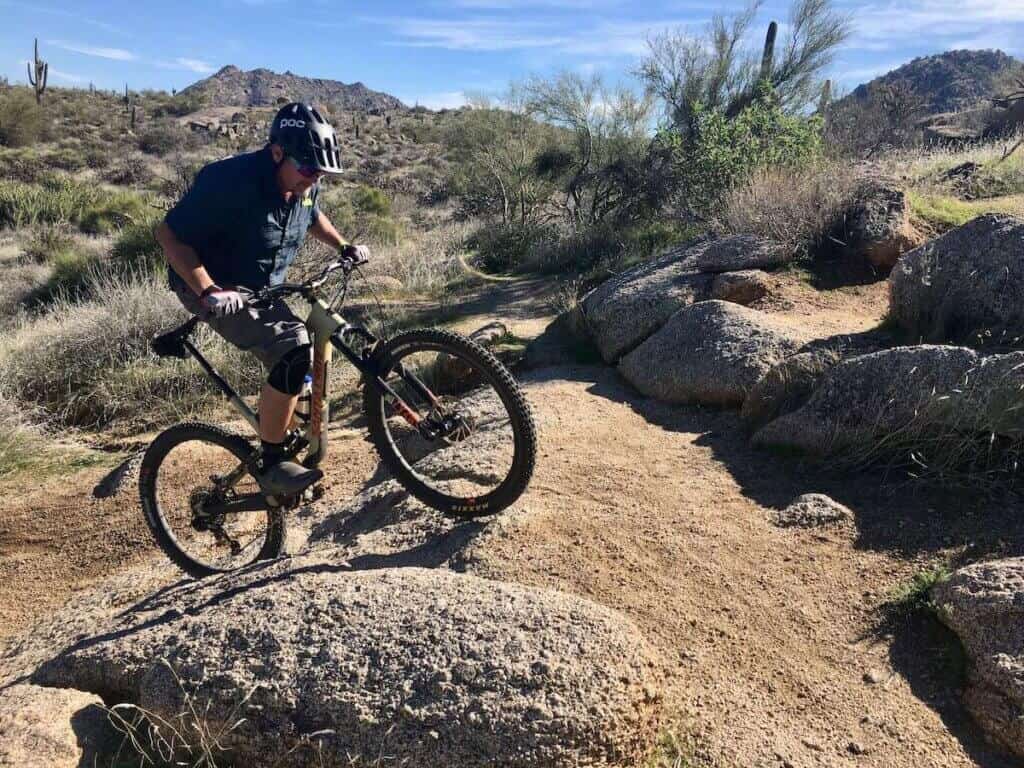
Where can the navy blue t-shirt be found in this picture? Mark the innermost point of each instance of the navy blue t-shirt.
(239, 224)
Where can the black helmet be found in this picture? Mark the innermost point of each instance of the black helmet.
(303, 134)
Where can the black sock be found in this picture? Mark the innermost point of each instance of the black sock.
(273, 453)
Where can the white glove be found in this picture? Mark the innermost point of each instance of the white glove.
(219, 302)
(355, 252)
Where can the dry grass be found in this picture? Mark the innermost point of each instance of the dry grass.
(88, 363)
(799, 209)
(926, 169)
(971, 436)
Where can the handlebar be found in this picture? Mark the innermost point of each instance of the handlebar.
(346, 264)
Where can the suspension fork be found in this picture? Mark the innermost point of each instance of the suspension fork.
(368, 366)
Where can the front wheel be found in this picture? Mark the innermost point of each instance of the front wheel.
(458, 432)
(188, 473)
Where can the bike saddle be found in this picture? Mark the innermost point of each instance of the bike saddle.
(172, 343)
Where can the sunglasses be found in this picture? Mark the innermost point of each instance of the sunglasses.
(306, 171)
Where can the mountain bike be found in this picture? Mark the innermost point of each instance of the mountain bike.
(446, 417)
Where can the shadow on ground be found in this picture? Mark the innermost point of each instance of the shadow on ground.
(908, 519)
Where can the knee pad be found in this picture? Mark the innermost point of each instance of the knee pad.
(290, 371)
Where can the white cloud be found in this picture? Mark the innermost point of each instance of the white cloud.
(195, 65)
(605, 38)
(117, 54)
(442, 100)
(884, 23)
(67, 76)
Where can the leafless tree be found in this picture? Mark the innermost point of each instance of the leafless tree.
(607, 127)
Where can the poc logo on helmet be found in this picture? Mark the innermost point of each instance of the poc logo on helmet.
(289, 123)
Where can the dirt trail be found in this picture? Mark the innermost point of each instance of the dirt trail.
(778, 651)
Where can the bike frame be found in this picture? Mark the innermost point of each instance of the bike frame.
(328, 331)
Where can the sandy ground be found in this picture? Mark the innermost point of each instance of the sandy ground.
(777, 643)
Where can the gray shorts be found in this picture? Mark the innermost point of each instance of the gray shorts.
(268, 332)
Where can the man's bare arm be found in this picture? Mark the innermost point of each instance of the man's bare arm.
(183, 259)
(324, 231)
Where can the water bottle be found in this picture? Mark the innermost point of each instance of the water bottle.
(305, 401)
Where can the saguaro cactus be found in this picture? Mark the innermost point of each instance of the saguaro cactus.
(42, 70)
(768, 56)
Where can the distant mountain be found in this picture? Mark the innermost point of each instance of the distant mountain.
(233, 87)
(948, 82)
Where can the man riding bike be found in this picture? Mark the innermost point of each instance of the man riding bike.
(240, 226)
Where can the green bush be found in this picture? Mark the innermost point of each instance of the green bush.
(55, 200)
(113, 213)
(21, 119)
(364, 215)
(137, 248)
(511, 247)
(722, 152)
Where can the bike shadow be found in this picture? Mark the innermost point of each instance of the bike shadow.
(385, 527)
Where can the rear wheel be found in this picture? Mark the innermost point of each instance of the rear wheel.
(480, 446)
(188, 469)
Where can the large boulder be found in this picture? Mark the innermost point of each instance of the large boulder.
(712, 353)
(626, 309)
(879, 227)
(738, 252)
(967, 285)
(786, 386)
(984, 605)
(50, 727)
(903, 395)
(623, 311)
(432, 667)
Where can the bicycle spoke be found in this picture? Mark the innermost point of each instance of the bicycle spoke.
(219, 541)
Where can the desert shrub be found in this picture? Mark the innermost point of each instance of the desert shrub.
(113, 212)
(721, 153)
(97, 157)
(130, 171)
(798, 208)
(178, 106)
(21, 119)
(72, 270)
(18, 284)
(550, 249)
(67, 158)
(508, 247)
(365, 214)
(88, 363)
(24, 165)
(163, 137)
(55, 200)
(47, 242)
(137, 248)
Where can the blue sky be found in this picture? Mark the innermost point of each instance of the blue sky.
(434, 51)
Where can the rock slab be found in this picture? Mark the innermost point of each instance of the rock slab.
(712, 353)
(434, 667)
(49, 727)
(813, 510)
(901, 395)
(626, 309)
(965, 286)
(984, 605)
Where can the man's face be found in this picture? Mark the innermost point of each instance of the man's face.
(289, 177)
